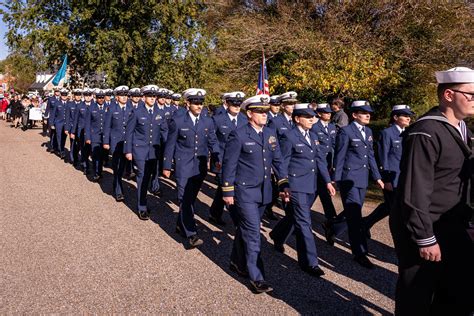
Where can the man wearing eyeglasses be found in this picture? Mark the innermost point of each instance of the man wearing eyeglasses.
(430, 217)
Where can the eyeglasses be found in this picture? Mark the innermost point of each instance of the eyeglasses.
(469, 96)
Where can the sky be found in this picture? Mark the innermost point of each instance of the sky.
(3, 46)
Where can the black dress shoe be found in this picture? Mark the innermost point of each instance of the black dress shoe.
(119, 198)
(329, 233)
(96, 178)
(236, 269)
(195, 241)
(314, 271)
(364, 261)
(216, 221)
(62, 155)
(261, 286)
(276, 245)
(144, 215)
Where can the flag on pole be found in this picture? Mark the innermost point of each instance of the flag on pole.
(61, 72)
(263, 87)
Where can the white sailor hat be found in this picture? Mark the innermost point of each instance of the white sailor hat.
(87, 91)
(194, 95)
(170, 92)
(121, 90)
(360, 105)
(235, 98)
(77, 91)
(455, 75)
(288, 97)
(56, 88)
(303, 109)
(401, 109)
(64, 91)
(256, 101)
(108, 92)
(323, 107)
(163, 92)
(275, 100)
(134, 92)
(99, 93)
(150, 90)
(176, 96)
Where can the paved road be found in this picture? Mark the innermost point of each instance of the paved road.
(68, 247)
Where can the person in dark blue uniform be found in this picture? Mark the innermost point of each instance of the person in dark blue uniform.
(175, 99)
(224, 124)
(191, 138)
(250, 154)
(275, 106)
(390, 154)
(50, 106)
(57, 118)
(80, 127)
(221, 109)
(108, 97)
(71, 108)
(134, 97)
(115, 126)
(146, 132)
(353, 161)
(304, 162)
(94, 131)
(166, 112)
(326, 132)
(283, 122)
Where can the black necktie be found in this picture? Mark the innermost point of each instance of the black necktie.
(290, 122)
(261, 136)
(196, 121)
(326, 129)
(100, 107)
(306, 136)
(150, 111)
(234, 121)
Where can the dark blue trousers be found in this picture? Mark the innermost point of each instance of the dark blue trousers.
(247, 239)
(353, 200)
(217, 207)
(188, 189)
(60, 137)
(73, 150)
(155, 184)
(98, 153)
(145, 169)
(118, 166)
(84, 148)
(326, 200)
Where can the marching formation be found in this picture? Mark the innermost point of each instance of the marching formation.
(264, 150)
(273, 150)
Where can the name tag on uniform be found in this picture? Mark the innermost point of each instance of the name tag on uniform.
(250, 143)
(184, 129)
(320, 133)
(224, 126)
(396, 141)
(283, 128)
(356, 140)
(300, 145)
(116, 113)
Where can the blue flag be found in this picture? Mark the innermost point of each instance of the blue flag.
(61, 72)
